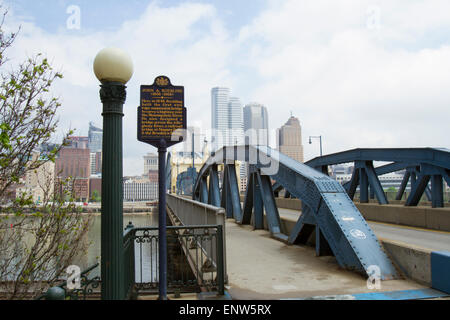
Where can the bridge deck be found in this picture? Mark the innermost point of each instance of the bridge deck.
(260, 267)
(428, 239)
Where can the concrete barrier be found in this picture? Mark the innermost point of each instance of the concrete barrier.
(413, 262)
(419, 264)
(420, 216)
(292, 204)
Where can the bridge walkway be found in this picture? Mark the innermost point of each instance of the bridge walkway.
(260, 267)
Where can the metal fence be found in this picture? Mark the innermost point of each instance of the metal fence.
(189, 212)
(195, 259)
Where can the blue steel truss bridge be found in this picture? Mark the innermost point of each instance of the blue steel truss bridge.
(328, 211)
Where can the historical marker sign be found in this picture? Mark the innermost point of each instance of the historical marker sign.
(162, 123)
(162, 114)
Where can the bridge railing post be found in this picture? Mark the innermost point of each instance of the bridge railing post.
(220, 261)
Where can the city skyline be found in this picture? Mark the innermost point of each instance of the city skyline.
(358, 74)
(289, 139)
(256, 119)
(227, 126)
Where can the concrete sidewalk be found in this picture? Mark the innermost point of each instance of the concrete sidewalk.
(260, 267)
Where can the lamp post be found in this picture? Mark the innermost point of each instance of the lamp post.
(113, 68)
(193, 156)
(317, 137)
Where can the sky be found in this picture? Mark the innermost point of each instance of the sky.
(359, 73)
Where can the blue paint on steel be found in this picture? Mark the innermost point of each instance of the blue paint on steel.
(272, 215)
(276, 188)
(437, 198)
(440, 271)
(402, 188)
(322, 247)
(401, 295)
(446, 176)
(258, 204)
(306, 218)
(423, 162)
(353, 184)
(417, 190)
(439, 157)
(350, 238)
(169, 171)
(415, 294)
(214, 191)
(184, 181)
(234, 192)
(375, 185)
(428, 192)
(226, 196)
(363, 185)
(203, 190)
(248, 201)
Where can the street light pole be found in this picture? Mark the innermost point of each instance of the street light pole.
(193, 158)
(193, 162)
(162, 150)
(113, 68)
(320, 140)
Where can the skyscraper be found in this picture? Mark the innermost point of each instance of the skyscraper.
(226, 119)
(77, 142)
(256, 124)
(235, 122)
(289, 139)
(75, 163)
(151, 166)
(95, 136)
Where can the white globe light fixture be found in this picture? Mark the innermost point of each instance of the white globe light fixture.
(113, 65)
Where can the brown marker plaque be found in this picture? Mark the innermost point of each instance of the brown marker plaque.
(161, 113)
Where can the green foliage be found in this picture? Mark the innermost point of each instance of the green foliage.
(39, 243)
(95, 196)
(27, 113)
(36, 243)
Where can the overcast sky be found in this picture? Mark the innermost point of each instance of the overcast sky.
(359, 73)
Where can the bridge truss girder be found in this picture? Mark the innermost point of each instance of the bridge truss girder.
(422, 165)
(326, 207)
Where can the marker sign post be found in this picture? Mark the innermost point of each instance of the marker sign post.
(162, 123)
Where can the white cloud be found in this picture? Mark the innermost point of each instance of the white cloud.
(186, 42)
(357, 86)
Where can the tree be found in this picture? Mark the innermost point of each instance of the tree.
(37, 244)
(95, 196)
(27, 112)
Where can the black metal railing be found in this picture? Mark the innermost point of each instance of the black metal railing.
(195, 259)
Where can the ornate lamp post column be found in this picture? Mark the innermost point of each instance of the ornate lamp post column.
(113, 68)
